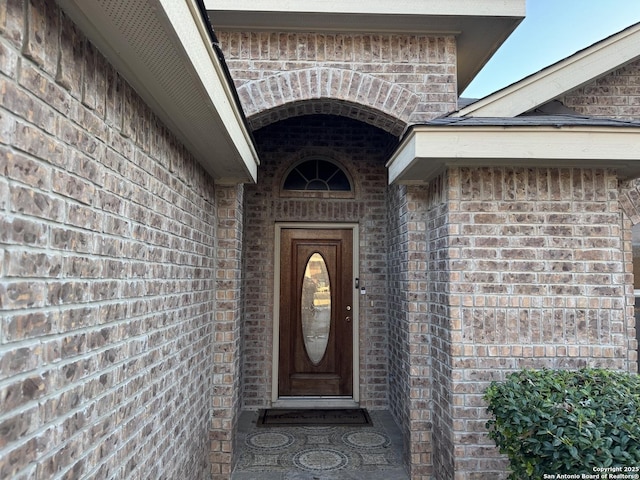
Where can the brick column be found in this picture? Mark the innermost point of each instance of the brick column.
(228, 313)
(419, 375)
(410, 371)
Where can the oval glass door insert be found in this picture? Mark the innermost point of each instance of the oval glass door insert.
(316, 308)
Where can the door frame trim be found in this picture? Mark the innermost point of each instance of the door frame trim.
(315, 401)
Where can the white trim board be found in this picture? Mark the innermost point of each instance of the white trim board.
(427, 150)
(560, 78)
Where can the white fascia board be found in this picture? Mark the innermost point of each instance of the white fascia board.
(181, 79)
(186, 18)
(506, 8)
(560, 78)
(428, 150)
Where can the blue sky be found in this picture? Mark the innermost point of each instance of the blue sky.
(552, 30)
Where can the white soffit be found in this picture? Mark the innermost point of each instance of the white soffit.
(579, 69)
(163, 49)
(481, 26)
(426, 151)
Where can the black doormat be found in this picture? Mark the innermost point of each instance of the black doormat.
(299, 417)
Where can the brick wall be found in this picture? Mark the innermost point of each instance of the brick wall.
(417, 304)
(226, 329)
(107, 269)
(387, 80)
(615, 95)
(399, 355)
(540, 277)
(439, 320)
(360, 149)
(492, 270)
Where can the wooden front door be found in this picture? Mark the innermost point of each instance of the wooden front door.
(316, 312)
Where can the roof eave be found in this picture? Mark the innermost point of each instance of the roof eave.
(564, 76)
(480, 26)
(428, 150)
(163, 49)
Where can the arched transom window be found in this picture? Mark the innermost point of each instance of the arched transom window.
(316, 175)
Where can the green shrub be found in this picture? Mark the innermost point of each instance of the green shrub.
(560, 421)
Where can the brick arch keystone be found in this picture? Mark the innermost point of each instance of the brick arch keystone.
(382, 99)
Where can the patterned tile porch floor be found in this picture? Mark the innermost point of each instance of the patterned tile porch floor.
(320, 453)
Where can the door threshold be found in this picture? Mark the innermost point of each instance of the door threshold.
(315, 402)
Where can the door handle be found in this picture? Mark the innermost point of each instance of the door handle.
(347, 319)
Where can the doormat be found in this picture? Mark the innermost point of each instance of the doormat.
(298, 417)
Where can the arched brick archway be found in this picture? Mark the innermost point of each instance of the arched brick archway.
(328, 90)
(329, 106)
